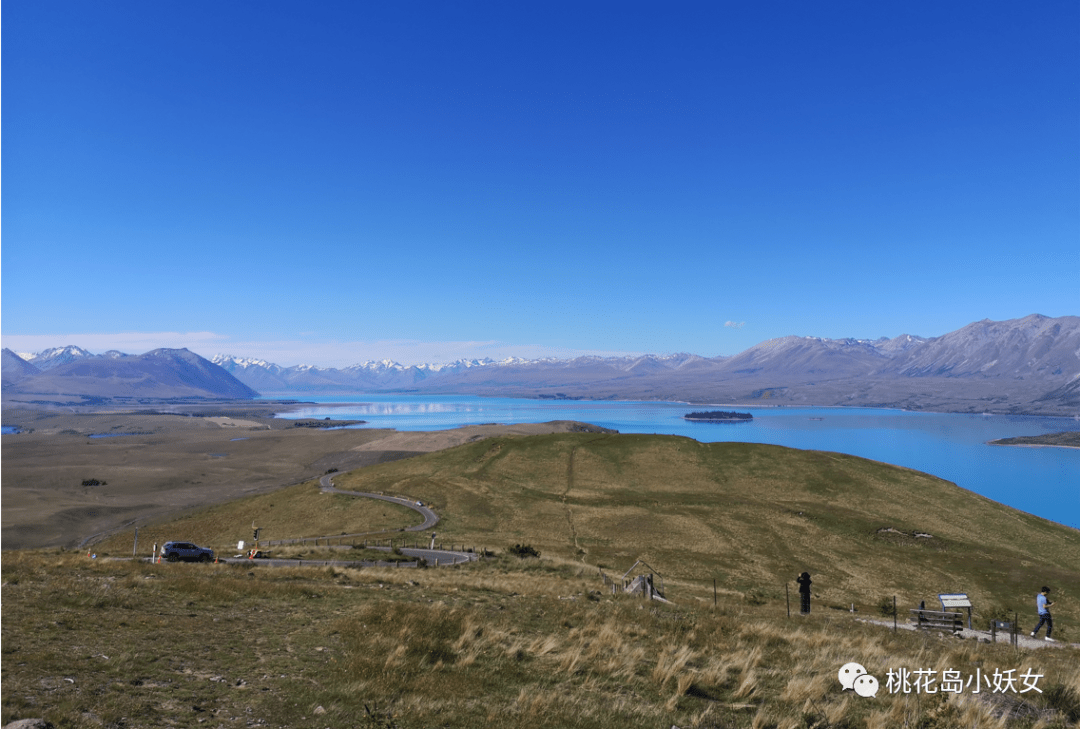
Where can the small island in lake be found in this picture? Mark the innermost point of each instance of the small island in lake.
(720, 416)
(1061, 440)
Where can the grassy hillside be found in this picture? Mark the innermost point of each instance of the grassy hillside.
(750, 516)
(303, 510)
(542, 643)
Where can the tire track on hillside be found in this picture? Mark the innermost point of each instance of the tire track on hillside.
(569, 485)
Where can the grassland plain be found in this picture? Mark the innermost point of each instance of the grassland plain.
(152, 464)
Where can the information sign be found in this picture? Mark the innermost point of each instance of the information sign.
(954, 600)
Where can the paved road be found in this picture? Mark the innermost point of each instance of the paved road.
(430, 517)
(434, 557)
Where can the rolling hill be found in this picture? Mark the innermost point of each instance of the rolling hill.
(752, 516)
(542, 642)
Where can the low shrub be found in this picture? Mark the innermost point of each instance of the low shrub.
(522, 551)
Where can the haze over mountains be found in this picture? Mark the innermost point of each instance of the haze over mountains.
(1028, 365)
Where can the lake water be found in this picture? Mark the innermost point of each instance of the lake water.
(1040, 481)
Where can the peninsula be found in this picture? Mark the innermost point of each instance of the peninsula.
(1068, 439)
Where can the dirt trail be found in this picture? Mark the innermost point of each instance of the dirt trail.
(565, 495)
(1024, 638)
(566, 507)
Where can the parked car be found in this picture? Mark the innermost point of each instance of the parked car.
(186, 551)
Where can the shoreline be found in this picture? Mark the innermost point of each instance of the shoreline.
(688, 403)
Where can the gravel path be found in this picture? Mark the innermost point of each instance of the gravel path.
(1024, 639)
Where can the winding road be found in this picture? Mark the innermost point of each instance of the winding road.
(434, 557)
(430, 517)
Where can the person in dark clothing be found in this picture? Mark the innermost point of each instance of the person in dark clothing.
(804, 592)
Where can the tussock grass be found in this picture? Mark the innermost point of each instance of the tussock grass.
(168, 645)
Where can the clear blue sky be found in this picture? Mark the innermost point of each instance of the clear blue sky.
(338, 181)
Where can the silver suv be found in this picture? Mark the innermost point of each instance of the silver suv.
(174, 551)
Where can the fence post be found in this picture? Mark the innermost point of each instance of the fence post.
(894, 613)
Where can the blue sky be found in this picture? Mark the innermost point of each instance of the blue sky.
(339, 181)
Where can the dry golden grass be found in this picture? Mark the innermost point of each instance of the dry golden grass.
(172, 645)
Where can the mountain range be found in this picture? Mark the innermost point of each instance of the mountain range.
(1028, 365)
(158, 374)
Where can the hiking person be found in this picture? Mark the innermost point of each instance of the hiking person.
(1043, 604)
(804, 592)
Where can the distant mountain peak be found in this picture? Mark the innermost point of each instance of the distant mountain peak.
(57, 356)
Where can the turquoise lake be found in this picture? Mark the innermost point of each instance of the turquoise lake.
(1040, 481)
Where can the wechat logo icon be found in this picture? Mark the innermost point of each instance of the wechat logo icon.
(854, 677)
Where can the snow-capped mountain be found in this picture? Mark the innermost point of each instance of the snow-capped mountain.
(56, 356)
(1021, 365)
